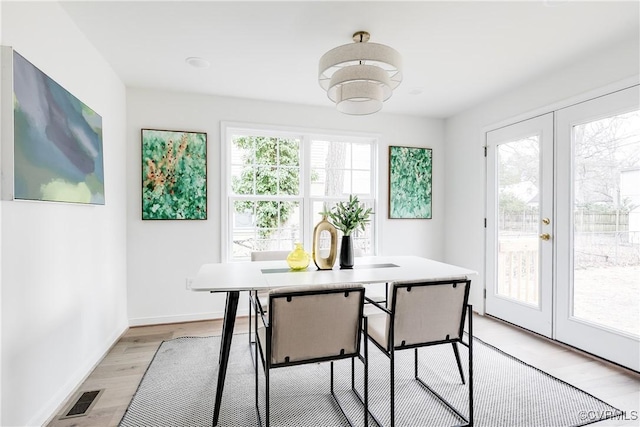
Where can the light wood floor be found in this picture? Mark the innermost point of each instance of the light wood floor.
(122, 369)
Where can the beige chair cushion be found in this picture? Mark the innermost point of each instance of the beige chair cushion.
(269, 255)
(314, 325)
(427, 313)
(377, 328)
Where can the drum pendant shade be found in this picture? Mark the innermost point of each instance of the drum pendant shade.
(359, 76)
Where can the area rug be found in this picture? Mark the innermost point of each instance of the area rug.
(178, 389)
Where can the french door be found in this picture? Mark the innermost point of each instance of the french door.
(519, 227)
(598, 227)
(563, 225)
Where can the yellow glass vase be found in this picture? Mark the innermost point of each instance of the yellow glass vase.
(298, 259)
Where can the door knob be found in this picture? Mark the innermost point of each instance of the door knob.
(545, 236)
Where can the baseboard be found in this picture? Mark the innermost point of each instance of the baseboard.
(180, 318)
(58, 400)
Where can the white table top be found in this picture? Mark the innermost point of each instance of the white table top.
(261, 275)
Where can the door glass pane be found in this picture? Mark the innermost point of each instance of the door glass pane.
(606, 223)
(517, 223)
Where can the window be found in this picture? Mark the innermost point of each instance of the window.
(277, 183)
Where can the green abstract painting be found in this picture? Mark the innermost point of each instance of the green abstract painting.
(410, 182)
(174, 174)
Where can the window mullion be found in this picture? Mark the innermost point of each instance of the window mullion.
(306, 222)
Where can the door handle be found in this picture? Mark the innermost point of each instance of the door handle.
(545, 236)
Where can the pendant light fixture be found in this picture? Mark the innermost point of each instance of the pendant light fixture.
(360, 76)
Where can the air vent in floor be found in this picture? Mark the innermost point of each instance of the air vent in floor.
(82, 405)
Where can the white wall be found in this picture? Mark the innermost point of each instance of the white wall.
(63, 265)
(161, 254)
(1, 43)
(465, 136)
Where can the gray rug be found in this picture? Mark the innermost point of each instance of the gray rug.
(179, 386)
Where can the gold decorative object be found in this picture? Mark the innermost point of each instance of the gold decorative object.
(324, 263)
(298, 259)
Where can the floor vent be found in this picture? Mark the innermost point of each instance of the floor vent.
(82, 405)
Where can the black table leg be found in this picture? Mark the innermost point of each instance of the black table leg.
(225, 347)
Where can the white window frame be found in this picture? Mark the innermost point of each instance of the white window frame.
(228, 129)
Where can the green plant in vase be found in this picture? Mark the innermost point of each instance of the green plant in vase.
(347, 217)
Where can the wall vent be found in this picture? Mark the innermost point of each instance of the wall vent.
(82, 404)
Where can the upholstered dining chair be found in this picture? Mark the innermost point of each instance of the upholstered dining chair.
(419, 314)
(263, 256)
(269, 255)
(311, 324)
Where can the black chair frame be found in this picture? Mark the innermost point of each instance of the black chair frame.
(252, 296)
(467, 311)
(386, 296)
(268, 365)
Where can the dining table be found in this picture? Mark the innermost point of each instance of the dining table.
(235, 277)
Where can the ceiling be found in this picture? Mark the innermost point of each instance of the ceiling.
(456, 54)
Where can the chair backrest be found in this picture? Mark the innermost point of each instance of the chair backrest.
(427, 311)
(315, 323)
(269, 255)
